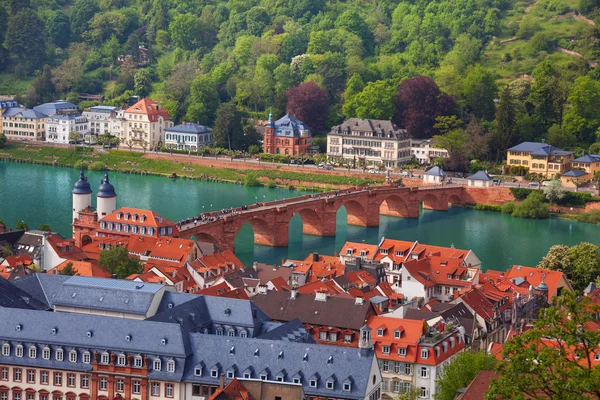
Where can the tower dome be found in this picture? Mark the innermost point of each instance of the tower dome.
(82, 186)
(106, 189)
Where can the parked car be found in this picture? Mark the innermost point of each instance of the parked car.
(545, 183)
(372, 171)
(497, 181)
(534, 184)
(328, 167)
(321, 164)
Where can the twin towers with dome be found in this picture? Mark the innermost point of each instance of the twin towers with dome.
(106, 197)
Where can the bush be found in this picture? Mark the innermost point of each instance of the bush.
(487, 207)
(271, 184)
(508, 207)
(532, 207)
(575, 199)
(80, 165)
(97, 166)
(520, 193)
(250, 180)
(593, 217)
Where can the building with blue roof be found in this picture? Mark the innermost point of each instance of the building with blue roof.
(540, 158)
(57, 107)
(479, 179)
(24, 124)
(434, 175)
(66, 128)
(188, 136)
(583, 168)
(287, 135)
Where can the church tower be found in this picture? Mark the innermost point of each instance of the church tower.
(269, 139)
(82, 195)
(106, 199)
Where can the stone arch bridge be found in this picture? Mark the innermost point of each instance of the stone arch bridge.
(270, 220)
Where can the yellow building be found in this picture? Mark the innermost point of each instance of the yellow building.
(5, 105)
(540, 158)
(583, 169)
(144, 125)
(24, 124)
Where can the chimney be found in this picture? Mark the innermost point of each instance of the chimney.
(255, 266)
(221, 381)
(315, 257)
(293, 294)
(543, 140)
(359, 301)
(321, 296)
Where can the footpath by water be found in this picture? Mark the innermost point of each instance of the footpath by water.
(42, 194)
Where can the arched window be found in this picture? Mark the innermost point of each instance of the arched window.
(105, 358)
(171, 366)
(73, 356)
(6, 349)
(46, 353)
(138, 362)
(32, 352)
(19, 351)
(59, 355)
(87, 357)
(121, 360)
(157, 365)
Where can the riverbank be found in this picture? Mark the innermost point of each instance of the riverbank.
(183, 167)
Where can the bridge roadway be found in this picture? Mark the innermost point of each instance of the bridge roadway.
(270, 220)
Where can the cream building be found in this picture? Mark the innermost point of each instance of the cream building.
(24, 124)
(540, 158)
(369, 141)
(424, 151)
(143, 125)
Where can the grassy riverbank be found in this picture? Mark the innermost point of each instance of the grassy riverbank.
(135, 162)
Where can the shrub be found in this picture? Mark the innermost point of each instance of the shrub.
(97, 166)
(532, 207)
(488, 207)
(80, 165)
(593, 217)
(508, 207)
(250, 180)
(575, 199)
(271, 184)
(520, 193)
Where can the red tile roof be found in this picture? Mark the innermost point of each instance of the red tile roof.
(65, 248)
(150, 108)
(534, 277)
(479, 303)
(150, 219)
(410, 334)
(16, 260)
(82, 268)
(478, 386)
(436, 270)
(356, 248)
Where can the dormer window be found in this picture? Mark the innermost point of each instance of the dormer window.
(32, 352)
(46, 353)
(19, 351)
(379, 331)
(363, 253)
(399, 253)
(87, 357)
(59, 355)
(214, 372)
(104, 358)
(73, 356)
(424, 353)
(348, 252)
(263, 377)
(219, 331)
(402, 351)
(171, 366)
(230, 374)
(142, 230)
(6, 349)
(198, 371)
(157, 364)
(330, 385)
(243, 334)
(138, 362)
(385, 349)
(347, 386)
(383, 251)
(121, 360)
(397, 334)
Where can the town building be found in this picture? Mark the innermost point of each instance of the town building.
(434, 175)
(412, 355)
(424, 151)
(100, 119)
(60, 107)
(540, 158)
(24, 124)
(5, 105)
(369, 142)
(144, 125)
(479, 179)
(188, 136)
(48, 249)
(556, 281)
(287, 136)
(583, 169)
(59, 128)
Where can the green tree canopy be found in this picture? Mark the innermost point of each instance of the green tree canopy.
(580, 263)
(461, 371)
(116, 261)
(27, 39)
(480, 91)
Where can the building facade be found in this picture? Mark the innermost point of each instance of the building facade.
(5, 105)
(24, 124)
(188, 136)
(287, 136)
(100, 118)
(540, 158)
(424, 151)
(144, 124)
(59, 128)
(369, 142)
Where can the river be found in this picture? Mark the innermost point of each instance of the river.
(42, 194)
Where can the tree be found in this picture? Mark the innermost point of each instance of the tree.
(579, 263)
(142, 82)
(44, 227)
(310, 104)
(67, 74)
(461, 371)
(59, 29)
(375, 101)
(561, 138)
(532, 207)
(203, 100)
(505, 120)
(116, 260)
(554, 191)
(22, 225)
(582, 117)
(555, 359)
(42, 90)
(479, 92)
(177, 85)
(477, 145)
(2, 140)
(253, 149)
(82, 13)
(74, 137)
(228, 128)
(418, 104)
(257, 18)
(26, 40)
(354, 86)
(68, 270)
(352, 21)
(549, 93)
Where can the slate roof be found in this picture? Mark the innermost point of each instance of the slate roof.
(540, 149)
(292, 331)
(304, 360)
(288, 123)
(335, 311)
(49, 109)
(11, 296)
(588, 158)
(173, 299)
(43, 287)
(189, 128)
(23, 113)
(435, 171)
(380, 128)
(574, 173)
(480, 176)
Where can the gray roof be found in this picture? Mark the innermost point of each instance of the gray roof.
(303, 360)
(24, 113)
(480, 176)
(436, 171)
(289, 126)
(541, 149)
(103, 109)
(574, 173)
(55, 108)
(42, 286)
(12, 296)
(379, 128)
(588, 158)
(173, 299)
(292, 331)
(189, 128)
(236, 279)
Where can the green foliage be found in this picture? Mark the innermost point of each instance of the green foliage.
(480, 90)
(461, 371)
(44, 227)
(97, 166)
(21, 225)
(68, 270)
(554, 191)
(251, 180)
(532, 207)
(580, 263)
(488, 207)
(520, 194)
(253, 149)
(555, 358)
(508, 207)
(27, 39)
(374, 101)
(2, 140)
(116, 261)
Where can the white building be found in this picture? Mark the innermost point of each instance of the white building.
(369, 141)
(59, 128)
(100, 118)
(480, 179)
(434, 175)
(188, 136)
(424, 151)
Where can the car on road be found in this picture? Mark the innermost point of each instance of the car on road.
(328, 168)
(545, 183)
(321, 165)
(497, 181)
(534, 184)
(372, 171)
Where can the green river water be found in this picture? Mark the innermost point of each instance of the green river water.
(42, 194)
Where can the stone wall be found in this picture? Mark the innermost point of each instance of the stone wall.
(491, 195)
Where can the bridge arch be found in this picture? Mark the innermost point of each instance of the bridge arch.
(312, 222)
(454, 199)
(431, 202)
(357, 215)
(394, 206)
(264, 232)
(205, 238)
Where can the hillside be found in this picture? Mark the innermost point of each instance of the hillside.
(356, 56)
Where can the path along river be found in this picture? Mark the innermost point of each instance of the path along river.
(42, 194)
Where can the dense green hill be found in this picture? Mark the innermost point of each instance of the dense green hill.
(192, 55)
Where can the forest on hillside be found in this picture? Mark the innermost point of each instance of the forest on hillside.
(479, 75)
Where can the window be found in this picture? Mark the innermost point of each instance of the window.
(120, 385)
(19, 351)
(46, 353)
(407, 369)
(58, 379)
(379, 332)
(169, 390)
(313, 383)
(16, 395)
(32, 352)
(385, 366)
(85, 381)
(397, 334)
(423, 372)
(136, 387)
(330, 385)
(71, 380)
(138, 362)
(121, 360)
(396, 386)
(214, 372)
(86, 357)
(171, 366)
(333, 336)
(59, 354)
(157, 364)
(44, 377)
(6, 349)
(296, 380)
(230, 374)
(73, 356)
(30, 376)
(423, 393)
(447, 290)
(17, 374)
(155, 389)
(323, 336)
(402, 351)
(424, 353)
(4, 374)
(219, 331)
(385, 349)
(103, 384)
(243, 334)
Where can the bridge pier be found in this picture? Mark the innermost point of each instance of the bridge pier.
(319, 224)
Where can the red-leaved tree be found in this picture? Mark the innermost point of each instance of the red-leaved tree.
(310, 104)
(419, 102)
